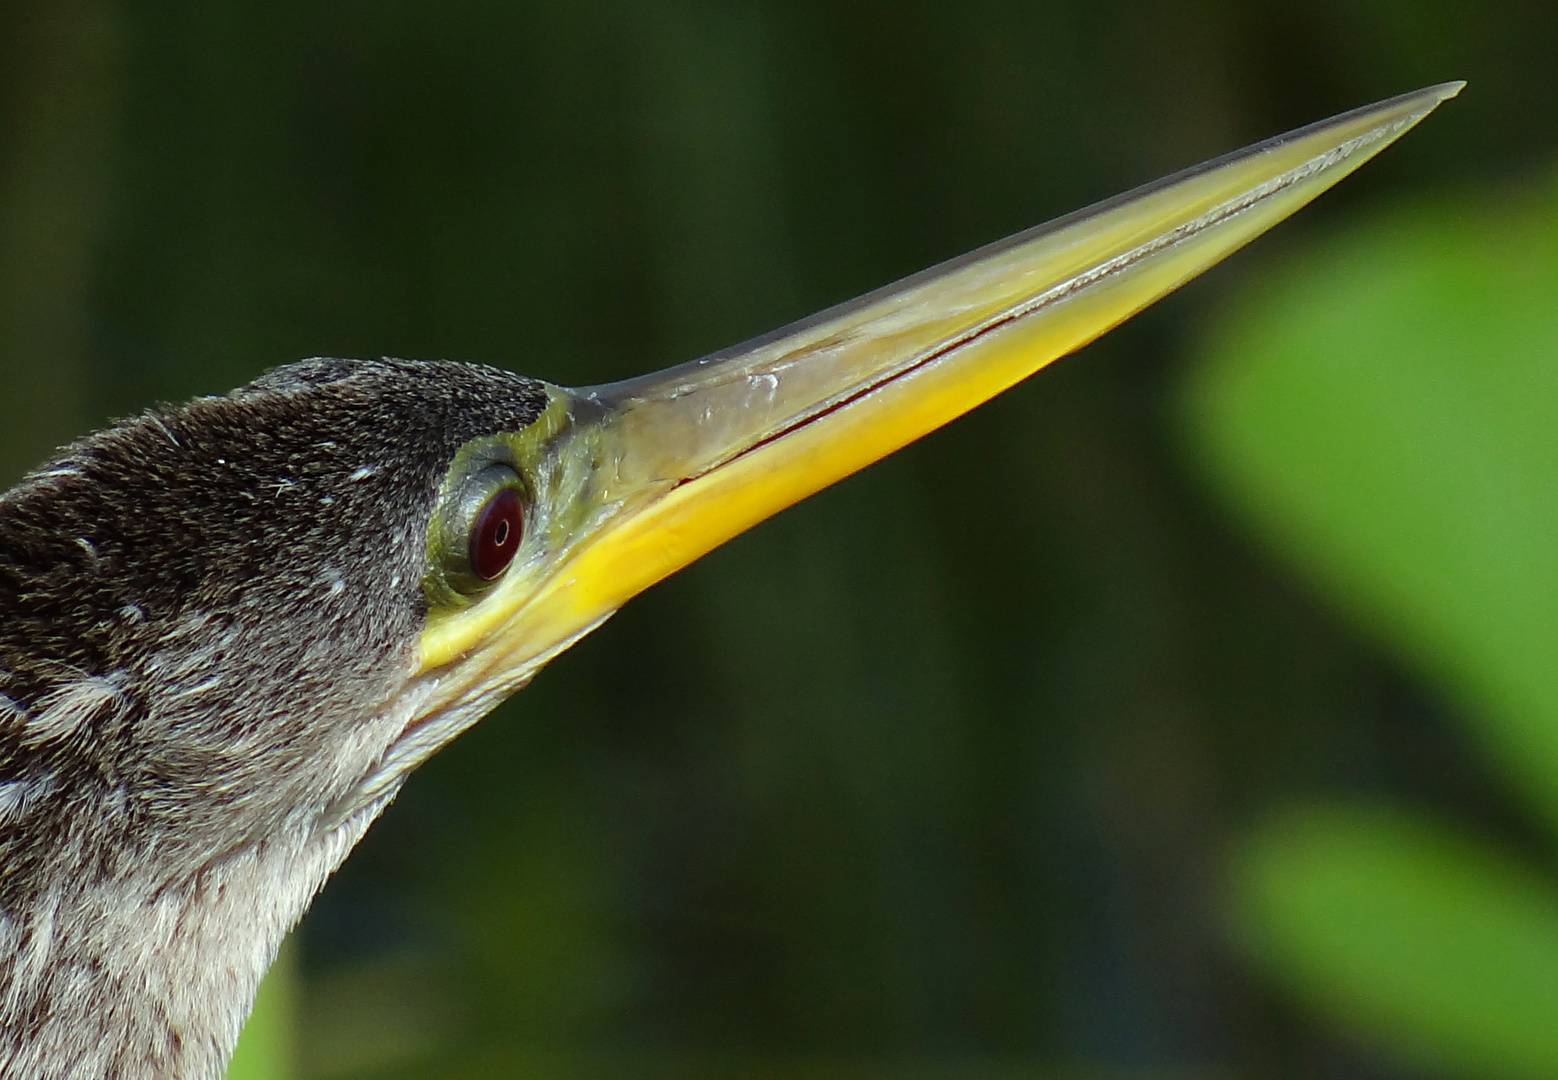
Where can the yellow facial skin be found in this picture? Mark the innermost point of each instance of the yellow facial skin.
(632, 481)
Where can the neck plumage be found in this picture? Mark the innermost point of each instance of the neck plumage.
(126, 979)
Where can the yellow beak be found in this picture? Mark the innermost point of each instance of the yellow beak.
(636, 479)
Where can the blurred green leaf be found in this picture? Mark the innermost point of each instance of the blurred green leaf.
(1386, 411)
(1407, 930)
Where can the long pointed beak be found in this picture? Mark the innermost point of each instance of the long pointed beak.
(642, 477)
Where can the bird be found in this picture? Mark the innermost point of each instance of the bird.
(230, 629)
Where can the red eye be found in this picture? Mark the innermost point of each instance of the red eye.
(496, 535)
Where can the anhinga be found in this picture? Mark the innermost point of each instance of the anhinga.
(229, 630)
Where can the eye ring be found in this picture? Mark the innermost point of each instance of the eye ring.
(483, 529)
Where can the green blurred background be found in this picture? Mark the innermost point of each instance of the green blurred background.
(1186, 712)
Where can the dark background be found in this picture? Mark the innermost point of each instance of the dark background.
(933, 772)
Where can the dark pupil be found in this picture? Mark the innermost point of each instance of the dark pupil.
(495, 537)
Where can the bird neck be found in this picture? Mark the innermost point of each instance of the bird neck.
(132, 979)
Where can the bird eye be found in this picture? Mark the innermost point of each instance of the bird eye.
(481, 529)
(496, 533)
